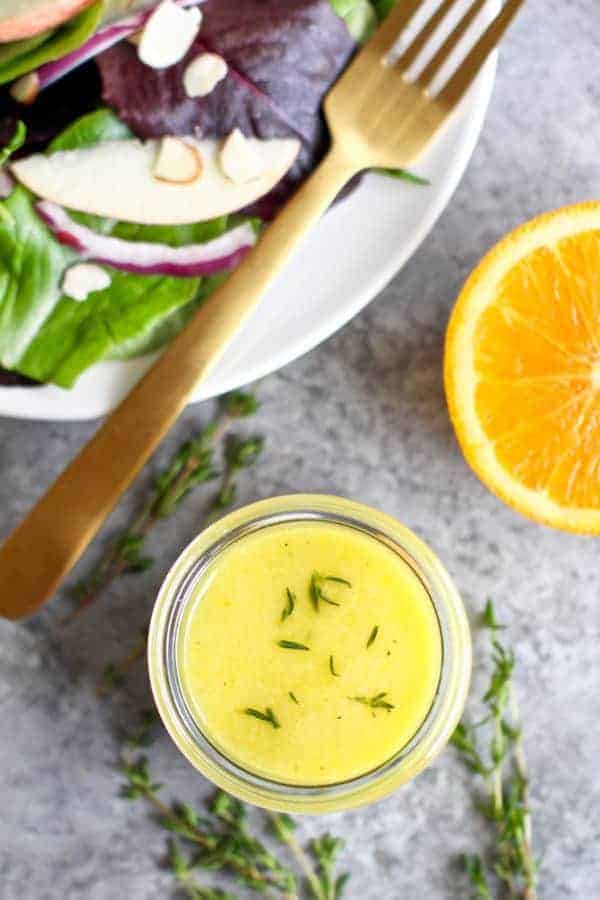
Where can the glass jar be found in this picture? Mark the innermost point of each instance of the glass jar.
(164, 640)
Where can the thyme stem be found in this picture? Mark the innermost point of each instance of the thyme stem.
(521, 766)
(286, 834)
(496, 775)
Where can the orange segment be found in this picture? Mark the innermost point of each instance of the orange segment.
(508, 405)
(508, 346)
(522, 369)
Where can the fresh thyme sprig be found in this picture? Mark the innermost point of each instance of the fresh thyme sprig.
(504, 771)
(239, 454)
(219, 839)
(326, 850)
(317, 593)
(183, 868)
(320, 880)
(192, 464)
(477, 875)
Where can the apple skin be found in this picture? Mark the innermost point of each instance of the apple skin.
(25, 18)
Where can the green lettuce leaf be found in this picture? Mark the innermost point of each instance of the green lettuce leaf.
(101, 125)
(14, 144)
(404, 175)
(362, 16)
(166, 328)
(20, 57)
(359, 16)
(13, 49)
(50, 337)
(76, 335)
(383, 7)
(31, 266)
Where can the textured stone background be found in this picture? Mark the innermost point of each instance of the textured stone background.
(364, 415)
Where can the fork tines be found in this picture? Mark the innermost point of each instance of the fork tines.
(402, 16)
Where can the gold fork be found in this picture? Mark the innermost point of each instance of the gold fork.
(377, 118)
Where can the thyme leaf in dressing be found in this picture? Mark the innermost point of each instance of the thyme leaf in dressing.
(291, 603)
(372, 636)
(332, 668)
(317, 593)
(267, 716)
(292, 645)
(377, 701)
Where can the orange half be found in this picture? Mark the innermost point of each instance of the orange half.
(522, 369)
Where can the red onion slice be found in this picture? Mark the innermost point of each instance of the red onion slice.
(143, 258)
(103, 39)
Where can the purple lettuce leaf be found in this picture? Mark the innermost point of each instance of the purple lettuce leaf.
(283, 57)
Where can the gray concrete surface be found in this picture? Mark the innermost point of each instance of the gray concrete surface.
(364, 416)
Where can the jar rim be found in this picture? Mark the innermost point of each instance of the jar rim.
(177, 592)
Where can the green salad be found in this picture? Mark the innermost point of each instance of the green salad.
(57, 218)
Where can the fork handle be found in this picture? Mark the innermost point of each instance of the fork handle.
(47, 544)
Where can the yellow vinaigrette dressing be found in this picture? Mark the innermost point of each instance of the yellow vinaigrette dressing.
(310, 653)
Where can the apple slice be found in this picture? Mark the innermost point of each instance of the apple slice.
(25, 18)
(116, 179)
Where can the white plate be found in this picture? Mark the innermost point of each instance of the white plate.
(350, 256)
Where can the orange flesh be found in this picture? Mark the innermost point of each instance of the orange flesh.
(537, 360)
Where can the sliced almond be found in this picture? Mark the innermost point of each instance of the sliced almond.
(241, 159)
(177, 161)
(26, 89)
(168, 34)
(83, 279)
(203, 74)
